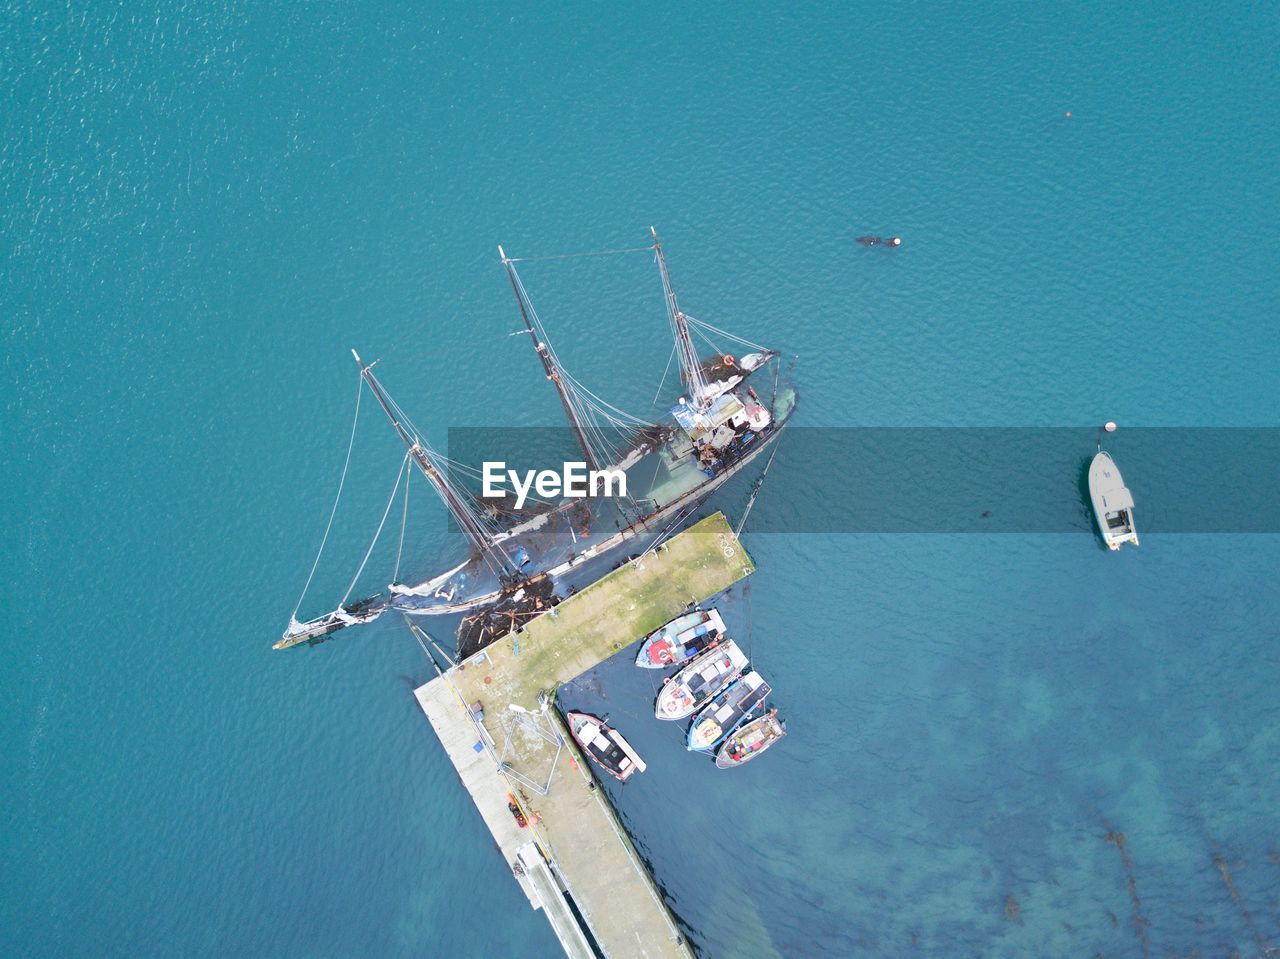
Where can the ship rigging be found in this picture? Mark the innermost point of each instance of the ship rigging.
(715, 430)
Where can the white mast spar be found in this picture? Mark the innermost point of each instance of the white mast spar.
(690, 365)
(549, 365)
(481, 538)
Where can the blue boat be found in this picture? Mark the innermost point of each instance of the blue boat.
(726, 712)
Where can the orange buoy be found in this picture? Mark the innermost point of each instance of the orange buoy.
(728, 359)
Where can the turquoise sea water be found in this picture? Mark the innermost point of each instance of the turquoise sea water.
(205, 206)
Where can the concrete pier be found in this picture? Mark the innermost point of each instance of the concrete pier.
(573, 849)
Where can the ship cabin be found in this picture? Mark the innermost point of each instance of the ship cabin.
(717, 435)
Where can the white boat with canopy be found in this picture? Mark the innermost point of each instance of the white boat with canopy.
(1112, 502)
(682, 694)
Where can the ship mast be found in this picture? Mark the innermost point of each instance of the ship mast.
(549, 366)
(690, 364)
(480, 537)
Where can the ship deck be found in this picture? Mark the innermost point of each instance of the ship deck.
(586, 851)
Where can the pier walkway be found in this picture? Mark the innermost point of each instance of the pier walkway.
(574, 851)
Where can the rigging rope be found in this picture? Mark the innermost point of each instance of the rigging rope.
(404, 519)
(333, 512)
(706, 339)
(662, 536)
(369, 552)
(715, 329)
(470, 472)
(574, 256)
(468, 516)
(591, 413)
(604, 405)
(665, 370)
(472, 519)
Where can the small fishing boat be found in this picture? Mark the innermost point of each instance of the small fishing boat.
(705, 676)
(724, 713)
(750, 740)
(1112, 502)
(681, 639)
(605, 746)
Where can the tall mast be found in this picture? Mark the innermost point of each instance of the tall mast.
(690, 364)
(471, 526)
(549, 366)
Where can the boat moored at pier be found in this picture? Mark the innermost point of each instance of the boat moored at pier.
(724, 713)
(682, 694)
(679, 640)
(750, 740)
(605, 746)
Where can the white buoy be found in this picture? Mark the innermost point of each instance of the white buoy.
(1110, 427)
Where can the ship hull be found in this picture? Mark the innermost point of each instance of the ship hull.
(645, 527)
(442, 595)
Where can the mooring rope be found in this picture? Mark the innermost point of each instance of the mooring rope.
(760, 482)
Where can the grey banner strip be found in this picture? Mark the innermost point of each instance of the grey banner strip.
(974, 480)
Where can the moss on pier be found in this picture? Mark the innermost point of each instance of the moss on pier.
(607, 616)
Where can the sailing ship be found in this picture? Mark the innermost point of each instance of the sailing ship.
(749, 741)
(709, 673)
(605, 746)
(718, 426)
(724, 713)
(1112, 502)
(678, 641)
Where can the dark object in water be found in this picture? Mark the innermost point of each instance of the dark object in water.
(870, 240)
(1140, 921)
(1220, 861)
